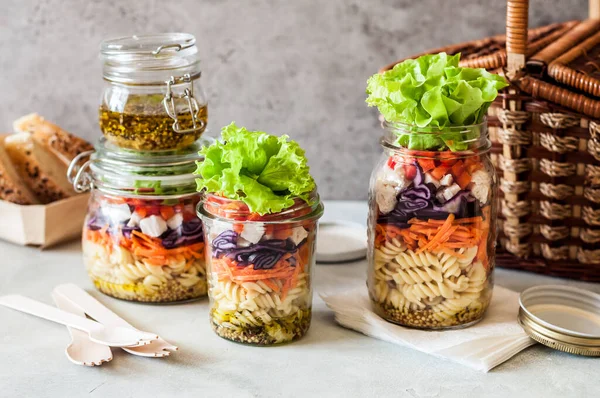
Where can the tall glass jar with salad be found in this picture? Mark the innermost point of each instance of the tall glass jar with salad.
(432, 199)
(142, 239)
(152, 98)
(260, 212)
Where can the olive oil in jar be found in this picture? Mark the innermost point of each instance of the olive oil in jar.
(152, 98)
(144, 125)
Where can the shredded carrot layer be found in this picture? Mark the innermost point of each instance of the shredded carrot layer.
(281, 278)
(441, 235)
(141, 245)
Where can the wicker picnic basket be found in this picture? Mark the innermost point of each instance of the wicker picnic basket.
(545, 132)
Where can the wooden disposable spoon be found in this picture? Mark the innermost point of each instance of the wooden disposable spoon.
(111, 336)
(80, 298)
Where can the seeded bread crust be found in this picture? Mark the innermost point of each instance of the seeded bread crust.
(63, 144)
(12, 188)
(43, 172)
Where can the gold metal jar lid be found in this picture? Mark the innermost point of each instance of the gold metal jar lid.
(565, 318)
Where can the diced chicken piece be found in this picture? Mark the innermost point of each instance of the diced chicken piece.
(451, 191)
(117, 213)
(385, 196)
(175, 221)
(298, 235)
(387, 186)
(253, 232)
(134, 221)
(395, 178)
(430, 180)
(153, 226)
(447, 180)
(218, 227)
(241, 242)
(482, 182)
(440, 195)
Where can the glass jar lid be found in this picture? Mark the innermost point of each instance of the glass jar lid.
(150, 59)
(426, 141)
(118, 170)
(216, 207)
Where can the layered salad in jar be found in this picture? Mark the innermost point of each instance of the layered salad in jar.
(432, 196)
(260, 212)
(144, 249)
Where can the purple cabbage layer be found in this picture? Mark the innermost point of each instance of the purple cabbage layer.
(419, 201)
(262, 255)
(189, 232)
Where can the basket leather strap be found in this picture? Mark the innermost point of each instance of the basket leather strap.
(517, 14)
(594, 9)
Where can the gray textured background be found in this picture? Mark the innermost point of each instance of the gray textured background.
(296, 67)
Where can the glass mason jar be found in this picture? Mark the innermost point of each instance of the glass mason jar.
(152, 97)
(142, 240)
(432, 227)
(259, 269)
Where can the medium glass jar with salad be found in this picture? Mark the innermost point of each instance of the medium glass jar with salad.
(260, 214)
(152, 98)
(142, 240)
(432, 199)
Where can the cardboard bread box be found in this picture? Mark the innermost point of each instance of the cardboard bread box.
(43, 225)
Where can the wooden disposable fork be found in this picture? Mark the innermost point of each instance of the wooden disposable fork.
(81, 350)
(92, 307)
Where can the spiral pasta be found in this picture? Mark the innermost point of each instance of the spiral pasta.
(116, 271)
(258, 298)
(443, 283)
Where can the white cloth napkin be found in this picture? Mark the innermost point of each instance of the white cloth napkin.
(495, 339)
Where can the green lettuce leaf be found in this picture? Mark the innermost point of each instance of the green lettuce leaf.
(432, 92)
(264, 171)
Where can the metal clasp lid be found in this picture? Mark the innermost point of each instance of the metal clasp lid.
(188, 95)
(78, 175)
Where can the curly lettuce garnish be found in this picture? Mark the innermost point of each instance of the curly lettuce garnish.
(264, 171)
(432, 92)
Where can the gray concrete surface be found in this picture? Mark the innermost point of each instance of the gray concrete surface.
(296, 67)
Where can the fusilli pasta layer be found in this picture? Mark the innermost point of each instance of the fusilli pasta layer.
(428, 289)
(118, 272)
(254, 303)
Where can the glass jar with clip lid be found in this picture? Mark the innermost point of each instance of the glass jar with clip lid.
(142, 239)
(152, 98)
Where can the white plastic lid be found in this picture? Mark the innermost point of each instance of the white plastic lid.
(341, 241)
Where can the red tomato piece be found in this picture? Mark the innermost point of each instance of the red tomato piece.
(463, 180)
(439, 171)
(426, 164)
(448, 158)
(457, 169)
(410, 171)
(391, 162)
(167, 212)
(141, 211)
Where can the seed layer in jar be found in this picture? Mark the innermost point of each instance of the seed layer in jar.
(145, 125)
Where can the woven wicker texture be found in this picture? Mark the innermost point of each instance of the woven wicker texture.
(545, 144)
(580, 66)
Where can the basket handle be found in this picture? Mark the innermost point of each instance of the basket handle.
(594, 9)
(517, 15)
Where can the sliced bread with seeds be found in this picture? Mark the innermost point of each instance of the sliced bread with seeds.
(12, 188)
(43, 172)
(62, 143)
